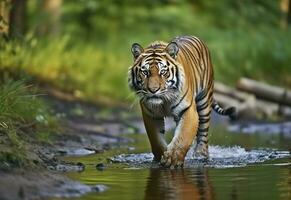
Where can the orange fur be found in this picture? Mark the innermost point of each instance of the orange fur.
(174, 80)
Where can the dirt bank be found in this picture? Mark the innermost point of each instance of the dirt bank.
(23, 184)
(85, 129)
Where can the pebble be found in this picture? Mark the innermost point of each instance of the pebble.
(100, 166)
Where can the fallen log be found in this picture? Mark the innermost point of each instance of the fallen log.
(220, 88)
(285, 111)
(265, 91)
(245, 110)
(266, 108)
(226, 101)
(251, 108)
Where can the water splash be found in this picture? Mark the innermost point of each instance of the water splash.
(219, 157)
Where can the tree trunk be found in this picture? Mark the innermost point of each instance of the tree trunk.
(4, 16)
(17, 20)
(51, 10)
(285, 6)
(289, 13)
(265, 91)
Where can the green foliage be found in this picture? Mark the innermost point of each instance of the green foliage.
(23, 118)
(87, 73)
(17, 105)
(15, 159)
(91, 55)
(262, 55)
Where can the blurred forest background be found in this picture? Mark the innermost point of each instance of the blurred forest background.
(82, 48)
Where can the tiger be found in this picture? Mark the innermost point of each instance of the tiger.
(175, 79)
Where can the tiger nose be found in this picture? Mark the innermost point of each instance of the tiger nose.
(154, 89)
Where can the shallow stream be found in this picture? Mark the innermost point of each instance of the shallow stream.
(241, 166)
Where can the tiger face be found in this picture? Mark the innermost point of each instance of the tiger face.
(155, 74)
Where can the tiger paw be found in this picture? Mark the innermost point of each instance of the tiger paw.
(201, 151)
(173, 157)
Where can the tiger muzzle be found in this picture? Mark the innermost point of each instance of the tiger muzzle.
(153, 85)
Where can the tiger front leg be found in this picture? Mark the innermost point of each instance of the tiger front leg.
(184, 135)
(155, 129)
(201, 148)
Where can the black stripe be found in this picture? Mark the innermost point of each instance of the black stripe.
(201, 95)
(203, 121)
(133, 80)
(203, 129)
(204, 141)
(205, 115)
(172, 70)
(198, 42)
(148, 58)
(177, 119)
(202, 107)
(169, 74)
(186, 51)
(173, 107)
(200, 57)
(177, 75)
(182, 112)
(158, 58)
(202, 134)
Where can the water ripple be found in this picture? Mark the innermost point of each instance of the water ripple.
(219, 157)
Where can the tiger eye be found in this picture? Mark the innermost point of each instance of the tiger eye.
(164, 71)
(145, 67)
(145, 72)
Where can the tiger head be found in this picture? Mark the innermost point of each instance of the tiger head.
(156, 75)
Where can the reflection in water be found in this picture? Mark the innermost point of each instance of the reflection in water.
(285, 185)
(253, 171)
(178, 184)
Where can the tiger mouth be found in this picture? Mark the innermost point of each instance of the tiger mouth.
(154, 97)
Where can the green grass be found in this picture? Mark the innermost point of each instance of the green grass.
(94, 71)
(91, 56)
(263, 56)
(24, 119)
(85, 70)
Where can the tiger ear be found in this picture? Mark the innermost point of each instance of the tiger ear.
(136, 50)
(172, 49)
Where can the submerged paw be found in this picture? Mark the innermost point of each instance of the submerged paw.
(201, 151)
(173, 157)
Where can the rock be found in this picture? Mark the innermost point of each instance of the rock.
(130, 148)
(75, 151)
(65, 167)
(100, 166)
(99, 188)
(73, 189)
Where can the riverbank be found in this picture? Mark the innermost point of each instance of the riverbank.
(85, 128)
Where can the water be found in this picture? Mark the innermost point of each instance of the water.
(219, 157)
(241, 166)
